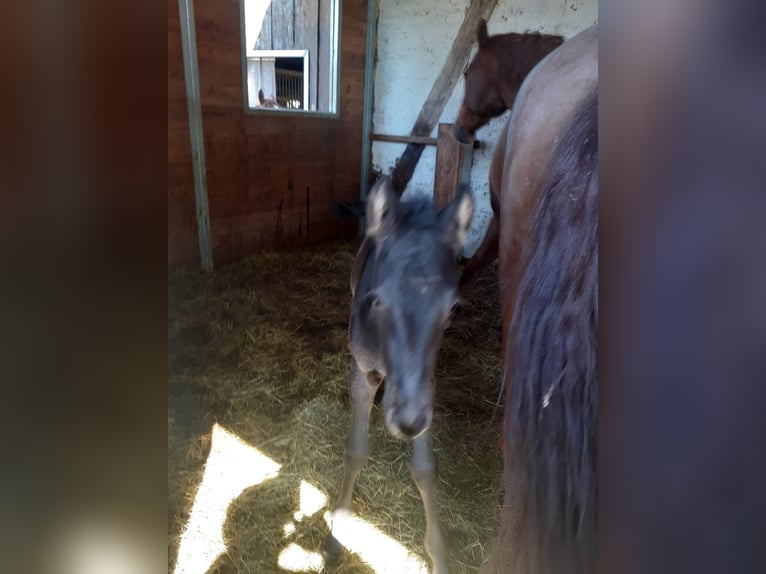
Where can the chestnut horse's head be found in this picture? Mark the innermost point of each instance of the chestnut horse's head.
(494, 76)
(483, 99)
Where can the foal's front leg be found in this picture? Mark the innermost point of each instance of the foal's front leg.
(357, 446)
(423, 468)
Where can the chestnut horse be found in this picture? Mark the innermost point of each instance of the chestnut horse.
(492, 80)
(548, 270)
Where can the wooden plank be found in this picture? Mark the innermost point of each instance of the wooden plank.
(306, 38)
(282, 25)
(453, 165)
(312, 14)
(442, 89)
(324, 55)
(265, 41)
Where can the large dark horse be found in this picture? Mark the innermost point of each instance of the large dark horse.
(492, 81)
(548, 269)
(404, 284)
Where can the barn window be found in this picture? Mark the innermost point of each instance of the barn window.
(278, 79)
(290, 54)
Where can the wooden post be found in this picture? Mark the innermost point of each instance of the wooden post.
(453, 165)
(369, 79)
(191, 73)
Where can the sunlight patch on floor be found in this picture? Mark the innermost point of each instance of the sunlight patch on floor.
(297, 559)
(233, 466)
(312, 500)
(384, 554)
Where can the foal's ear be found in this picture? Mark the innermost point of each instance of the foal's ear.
(482, 36)
(381, 209)
(455, 219)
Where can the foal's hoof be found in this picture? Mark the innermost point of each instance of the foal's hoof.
(332, 548)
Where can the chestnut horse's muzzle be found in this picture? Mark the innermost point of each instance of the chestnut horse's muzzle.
(461, 134)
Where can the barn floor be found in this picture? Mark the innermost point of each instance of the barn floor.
(257, 350)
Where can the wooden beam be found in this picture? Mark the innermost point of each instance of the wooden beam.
(194, 106)
(442, 89)
(420, 140)
(405, 139)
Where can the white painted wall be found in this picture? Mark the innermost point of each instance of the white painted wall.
(414, 39)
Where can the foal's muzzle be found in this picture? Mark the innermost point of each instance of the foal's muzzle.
(407, 421)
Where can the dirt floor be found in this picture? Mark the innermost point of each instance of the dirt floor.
(260, 347)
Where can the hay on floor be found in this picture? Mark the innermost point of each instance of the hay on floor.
(260, 347)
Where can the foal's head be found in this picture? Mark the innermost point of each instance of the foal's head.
(414, 291)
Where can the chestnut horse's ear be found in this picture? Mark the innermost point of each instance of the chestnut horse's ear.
(482, 36)
(382, 207)
(455, 219)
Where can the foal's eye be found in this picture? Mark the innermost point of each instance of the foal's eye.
(456, 306)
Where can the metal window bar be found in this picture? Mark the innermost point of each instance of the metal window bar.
(289, 89)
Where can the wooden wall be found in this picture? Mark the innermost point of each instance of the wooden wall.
(302, 25)
(271, 177)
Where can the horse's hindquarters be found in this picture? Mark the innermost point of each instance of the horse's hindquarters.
(548, 99)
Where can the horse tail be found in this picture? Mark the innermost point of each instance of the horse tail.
(549, 520)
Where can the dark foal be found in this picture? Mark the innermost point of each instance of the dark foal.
(492, 81)
(404, 284)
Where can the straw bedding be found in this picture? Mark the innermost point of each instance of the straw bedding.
(260, 347)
